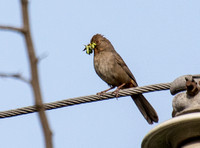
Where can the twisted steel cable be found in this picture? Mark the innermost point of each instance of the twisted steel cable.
(85, 99)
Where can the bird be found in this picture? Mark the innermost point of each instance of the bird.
(112, 69)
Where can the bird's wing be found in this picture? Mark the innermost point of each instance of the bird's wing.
(121, 62)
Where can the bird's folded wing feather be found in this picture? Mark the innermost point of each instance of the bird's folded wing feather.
(121, 62)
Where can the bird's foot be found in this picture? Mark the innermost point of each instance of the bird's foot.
(103, 92)
(116, 92)
(100, 93)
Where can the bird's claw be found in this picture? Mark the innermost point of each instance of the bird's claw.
(101, 93)
(116, 93)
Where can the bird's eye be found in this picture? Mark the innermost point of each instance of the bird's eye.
(97, 42)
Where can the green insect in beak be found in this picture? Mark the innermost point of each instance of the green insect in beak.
(89, 48)
(93, 45)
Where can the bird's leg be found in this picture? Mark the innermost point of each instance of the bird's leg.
(102, 92)
(116, 92)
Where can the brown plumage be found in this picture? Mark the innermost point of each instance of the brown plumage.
(112, 69)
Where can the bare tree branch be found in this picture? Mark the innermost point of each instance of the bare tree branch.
(16, 76)
(10, 28)
(34, 74)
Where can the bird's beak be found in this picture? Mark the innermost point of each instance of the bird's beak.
(89, 48)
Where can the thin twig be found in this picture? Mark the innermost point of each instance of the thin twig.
(16, 76)
(10, 28)
(34, 76)
(42, 57)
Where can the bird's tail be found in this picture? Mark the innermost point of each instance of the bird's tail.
(145, 108)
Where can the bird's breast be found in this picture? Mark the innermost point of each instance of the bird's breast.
(109, 70)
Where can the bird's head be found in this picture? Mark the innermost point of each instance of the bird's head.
(98, 43)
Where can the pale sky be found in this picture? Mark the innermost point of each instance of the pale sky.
(158, 40)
